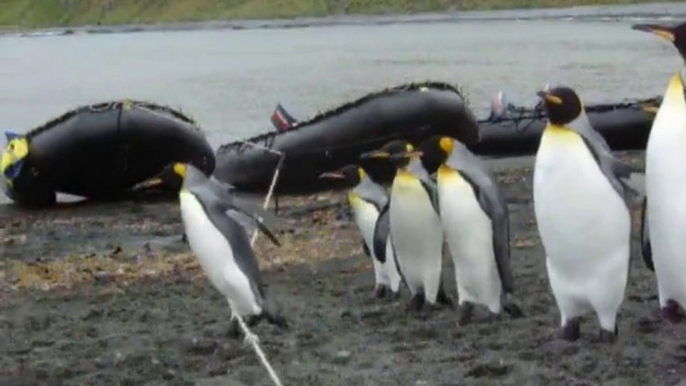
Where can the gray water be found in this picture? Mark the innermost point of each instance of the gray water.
(230, 80)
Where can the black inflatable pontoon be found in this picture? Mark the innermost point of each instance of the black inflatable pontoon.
(412, 112)
(516, 131)
(337, 137)
(100, 151)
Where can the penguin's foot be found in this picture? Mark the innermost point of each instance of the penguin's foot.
(234, 331)
(381, 291)
(277, 320)
(443, 299)
(512, 309)
(395, 295)
(493, 317)
(465, 311)
(670, 312)
(609, 337)
(253, 320)
(571, 330)
(416, 303)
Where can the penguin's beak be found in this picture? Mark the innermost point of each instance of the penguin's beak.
(659, 30)
(549, 98)
(375, 154)
(650, 109)
(336, 175)
(147, 184)
(408, 154)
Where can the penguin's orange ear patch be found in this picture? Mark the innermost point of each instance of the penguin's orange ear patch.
(180, 169)
(446, 144)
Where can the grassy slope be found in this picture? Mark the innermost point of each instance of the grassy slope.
(46, 13)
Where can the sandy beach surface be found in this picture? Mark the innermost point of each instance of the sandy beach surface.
(109, 294)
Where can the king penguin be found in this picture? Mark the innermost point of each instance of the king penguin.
(368, 201)
(212, 222)
(583, 214)
(415, 226)
(476, 223)
(666, 183)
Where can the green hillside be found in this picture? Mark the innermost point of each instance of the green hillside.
(54, 13)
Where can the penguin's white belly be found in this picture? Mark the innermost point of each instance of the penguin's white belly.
(470, 238)
(666, 192)
(366, 215)
(216, 258)
(417, 235)
(584, 227)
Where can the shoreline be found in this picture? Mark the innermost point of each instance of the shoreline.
(660, 10)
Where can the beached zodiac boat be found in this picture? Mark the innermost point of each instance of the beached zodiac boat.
(516, 131)
(100, 151)
(337, 137)
(412, 112)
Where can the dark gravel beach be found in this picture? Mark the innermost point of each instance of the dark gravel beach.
(108, 294)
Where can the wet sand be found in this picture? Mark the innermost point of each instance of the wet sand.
(108, 294)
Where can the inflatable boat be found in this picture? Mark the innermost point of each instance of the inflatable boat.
(515, 131)
(337, 137)
(100, 151)
(412, 112)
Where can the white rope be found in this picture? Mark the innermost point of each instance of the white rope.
(253, 340)
(275, 177)
(250, 337)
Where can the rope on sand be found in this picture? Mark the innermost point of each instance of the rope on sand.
(250, 337)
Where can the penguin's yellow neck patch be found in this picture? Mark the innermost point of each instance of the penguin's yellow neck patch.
(404, 174)
(445, 173)
(354, 199)
(675, 90)
(559, 134)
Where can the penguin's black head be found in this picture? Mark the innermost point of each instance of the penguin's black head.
(434, 151)
(399, 152)
(169, 178)
(562, 104)
(675, 34)
(352, 174)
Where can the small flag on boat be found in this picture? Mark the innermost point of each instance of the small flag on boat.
(281, 120)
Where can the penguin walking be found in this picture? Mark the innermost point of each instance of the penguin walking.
(666, 183)
(368, 200)
(475, 220)
(212, 222)
(415, 226)
(583, 216)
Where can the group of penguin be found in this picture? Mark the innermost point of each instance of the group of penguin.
(581, 204)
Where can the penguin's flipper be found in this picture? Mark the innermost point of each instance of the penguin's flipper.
(238, 241)
(249, 205)
(495, 208)
(609, 165)
(430, 186)
(395, 259)
(432, 192)
(365, 248)
(646, 250)
(382, 229)
(247, 220)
